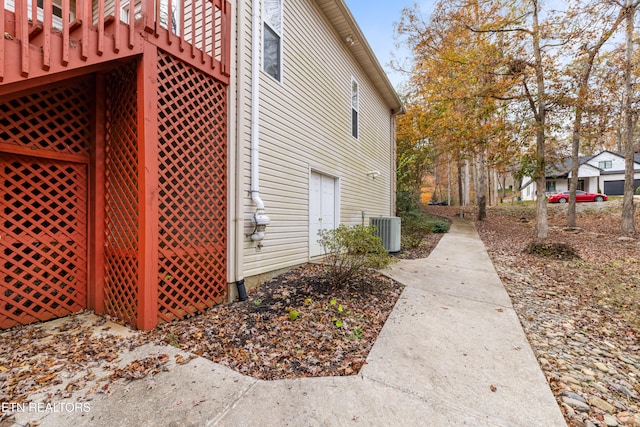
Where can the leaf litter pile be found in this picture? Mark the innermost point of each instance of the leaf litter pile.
(57, 362)
(577, 295)
(295, 325)
(292, 326)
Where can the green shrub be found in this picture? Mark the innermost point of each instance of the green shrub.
(415, 227)
(352, 253)
(638, 191)
(407, 201)
(439, 226)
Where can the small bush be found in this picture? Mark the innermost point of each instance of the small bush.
(353, 253)
(638, 191)
(439, 226)
(552, 250)
(415, 227)
(407, 201)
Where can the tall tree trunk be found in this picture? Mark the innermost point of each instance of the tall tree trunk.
(448, 180)
(628, 226)
(542, 225)
(460, 184)
(467, 189)
(497, 198)
(575, 152)
(434, 197)
(481, 188)
(583, 89)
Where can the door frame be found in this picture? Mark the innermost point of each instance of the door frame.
(336, 205)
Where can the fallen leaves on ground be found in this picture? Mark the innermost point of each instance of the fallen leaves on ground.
(429, 242)
(34, 359)
(581, 284)
(140, 368)
(293, 326)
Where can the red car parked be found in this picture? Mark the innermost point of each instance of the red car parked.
(581, 196)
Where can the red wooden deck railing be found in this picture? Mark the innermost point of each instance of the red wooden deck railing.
(65, 35)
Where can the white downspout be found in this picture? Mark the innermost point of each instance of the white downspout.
(260, 220)
(237, 263)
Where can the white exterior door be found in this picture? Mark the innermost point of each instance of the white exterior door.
(322, 209)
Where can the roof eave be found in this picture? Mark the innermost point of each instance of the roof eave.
(345, 26)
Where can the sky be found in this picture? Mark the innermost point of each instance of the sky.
(377, 20)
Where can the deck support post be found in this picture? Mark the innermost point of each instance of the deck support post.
(148, 176)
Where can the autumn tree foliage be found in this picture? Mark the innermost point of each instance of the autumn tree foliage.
(516, 85)
(456, 88)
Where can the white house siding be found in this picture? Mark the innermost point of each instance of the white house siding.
(617, 162)
(528, 191)
(305, 125)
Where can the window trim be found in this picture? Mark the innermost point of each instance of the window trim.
(355, 110)
(602, 164)
(279, 35)
(551, 186)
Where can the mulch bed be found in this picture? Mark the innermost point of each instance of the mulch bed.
(293, 326)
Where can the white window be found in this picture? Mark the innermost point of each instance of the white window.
(272, 39)
(605, 164)
(57, 8)
(125, 6)
(355, 101)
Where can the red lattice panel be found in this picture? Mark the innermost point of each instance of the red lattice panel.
(43, 249)
(121, 195)
(55, 120)
(193, 192)
(43, 241)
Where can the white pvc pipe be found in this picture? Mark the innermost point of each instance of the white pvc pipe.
(260, 219)
(255, 107)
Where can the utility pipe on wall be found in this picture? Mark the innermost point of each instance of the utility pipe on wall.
(260, 219)
(237, 261)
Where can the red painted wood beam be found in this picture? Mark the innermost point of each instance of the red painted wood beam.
(169, 22)
(84, 12)
(53, 155)
(46, 47)
(148, 184)
(65, 32)
(225, 57)
(95, 285)
(116, 23)
(23, 20)
(2, 31)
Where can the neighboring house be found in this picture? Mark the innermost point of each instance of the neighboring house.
(600, 173)
(149, 170)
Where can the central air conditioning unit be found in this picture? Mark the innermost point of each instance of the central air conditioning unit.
(388, 229)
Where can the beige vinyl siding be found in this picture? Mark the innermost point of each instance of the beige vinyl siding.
(305, 124)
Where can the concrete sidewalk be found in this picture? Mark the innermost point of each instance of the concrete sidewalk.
(452, 353)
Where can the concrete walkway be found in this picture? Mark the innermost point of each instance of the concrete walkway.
(452, 353)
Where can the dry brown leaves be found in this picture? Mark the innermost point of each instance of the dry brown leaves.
(596, 293)
(60, 361)
(292, 326)
(603, 283)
